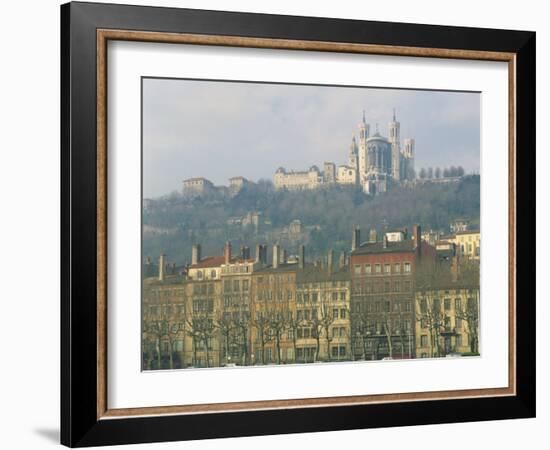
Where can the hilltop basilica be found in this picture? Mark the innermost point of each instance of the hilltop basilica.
(374, 162)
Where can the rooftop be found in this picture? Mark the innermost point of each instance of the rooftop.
(390, 247)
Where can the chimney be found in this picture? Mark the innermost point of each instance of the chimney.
(302, 256)
(161, 267)
(196, 254)
(263, 253)
(373, 237)
(385, 242)
(276, 256)
(283, 256)
(417, 237)
(342, 261)
(258, 253)
(246, 252)
(356, 239)
(330, 260)
(227, 252)
(173, 268)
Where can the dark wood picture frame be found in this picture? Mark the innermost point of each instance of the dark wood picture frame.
(85, 418)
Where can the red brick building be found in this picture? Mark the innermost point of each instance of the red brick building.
(383, 274)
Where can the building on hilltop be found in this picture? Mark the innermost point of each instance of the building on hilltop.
(374, 162)
(197, 186)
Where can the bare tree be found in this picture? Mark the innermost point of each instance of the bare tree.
(470, 314)
(225, 324)
(316, 324)
(429, 314)
(201, 328)
(293, 324)
(278, 325)
(326, 319)
(262, 323)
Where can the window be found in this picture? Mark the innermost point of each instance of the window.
(458, 322)
(245, 285)
(269, 354)
(342, 332)
(289, 354)
(424, 355)
(387, 286)
(357, 269)
(335, 314)
(342, 314)
(343, 295)
(199, 274)
(458, 304)
(406, 286)
(397, 286)
(334, 296)
(212, 274)
(236, 285)
(335, 332)
(377, 268)
(289, 295)
(407, 267)
(458, 341)
(314, 297)
(334, 352)
(424, 340)
(227, 285)
(423, 306)
(387, 268)
(227, 301)
(387, 306)
(179, 345)
(367, 268)
(397, 267)
(447, 304)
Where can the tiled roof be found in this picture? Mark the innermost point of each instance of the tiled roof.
(209, 261)
(216, 261)
(391, 247)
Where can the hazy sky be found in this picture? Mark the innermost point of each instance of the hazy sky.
(222, 129)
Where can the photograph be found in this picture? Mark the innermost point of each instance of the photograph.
(307, 224)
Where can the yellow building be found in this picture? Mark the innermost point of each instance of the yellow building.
(447, 320)
(323, 313)
(311, 179)
(467, 243)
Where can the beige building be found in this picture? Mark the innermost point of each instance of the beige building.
(197, 186)
(447, 320)
(467, 243)
(291, 180)
(346, 175)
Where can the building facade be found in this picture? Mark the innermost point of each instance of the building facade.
(447, 320)
(383, 292)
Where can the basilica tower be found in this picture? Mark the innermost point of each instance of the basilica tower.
(364, 133)
(395, 141)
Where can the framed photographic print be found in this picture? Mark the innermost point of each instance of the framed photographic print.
(277, 224)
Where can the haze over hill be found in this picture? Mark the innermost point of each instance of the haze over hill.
(320, 219)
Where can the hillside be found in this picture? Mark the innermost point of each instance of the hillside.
(258, 214)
